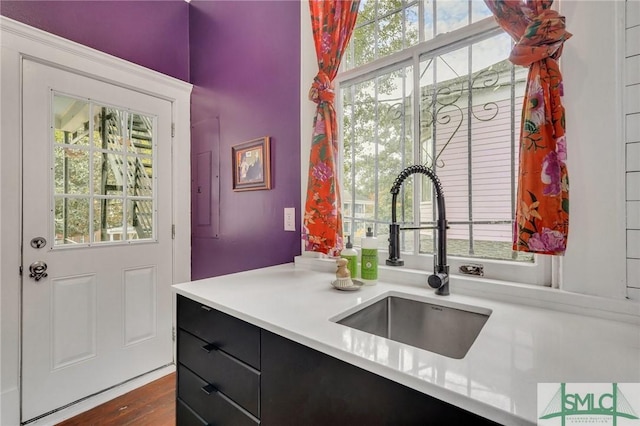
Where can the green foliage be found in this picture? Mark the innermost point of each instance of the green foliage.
(383, 128)
(377, 118)
(76, 173)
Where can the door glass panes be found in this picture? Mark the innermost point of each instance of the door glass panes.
(108, 127)
(93, 198)
(71, 220)
(71, 170)
(110, 212)
(70, 121)
(139, 172)
(139, 217)
(140, 129)
(105, 181)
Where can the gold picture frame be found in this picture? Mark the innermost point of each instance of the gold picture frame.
(252, 165)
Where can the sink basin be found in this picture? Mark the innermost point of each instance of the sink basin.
(441, 329)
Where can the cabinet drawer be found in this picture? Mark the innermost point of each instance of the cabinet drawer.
(185, 416)
(210, 404)
(234, 336)
(236, 380)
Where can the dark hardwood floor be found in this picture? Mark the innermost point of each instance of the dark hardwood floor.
(152, 404)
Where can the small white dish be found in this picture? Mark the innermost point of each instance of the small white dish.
(356, 285)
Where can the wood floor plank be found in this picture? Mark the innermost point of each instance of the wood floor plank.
(152, 404)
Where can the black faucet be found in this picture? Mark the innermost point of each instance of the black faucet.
(440, 277)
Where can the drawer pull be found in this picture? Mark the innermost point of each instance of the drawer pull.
(206, 308)
(208, 348)
(209, 389)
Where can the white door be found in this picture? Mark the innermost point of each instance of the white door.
(97, 212)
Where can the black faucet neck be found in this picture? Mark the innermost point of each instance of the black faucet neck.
(422, 169)
(440, 277)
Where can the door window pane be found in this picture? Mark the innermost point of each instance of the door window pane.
(71, 219)
(140, 217)
(71, 171)
(105, 179)
(98, 150)
(109, 126)
(107, 220)
(70, 120)
(140, 134)
(139, 182)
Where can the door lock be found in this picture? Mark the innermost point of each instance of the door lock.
(38, 242)
(38, 270)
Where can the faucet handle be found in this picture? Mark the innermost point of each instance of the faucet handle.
(394, 246)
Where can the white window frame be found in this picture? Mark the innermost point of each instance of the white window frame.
(539, 272)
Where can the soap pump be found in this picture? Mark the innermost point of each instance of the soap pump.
(351, 255)
(369, 263)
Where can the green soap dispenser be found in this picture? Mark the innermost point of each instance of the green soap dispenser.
(369, 263)
(351, 255)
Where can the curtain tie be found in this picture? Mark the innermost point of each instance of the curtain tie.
(543, 38)
(321, 89)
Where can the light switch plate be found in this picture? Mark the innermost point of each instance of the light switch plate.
(289, 219)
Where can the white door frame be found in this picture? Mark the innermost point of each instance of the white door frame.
(20, 41)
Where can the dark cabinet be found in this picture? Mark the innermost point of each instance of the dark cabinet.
(301, 386)
(218, 367)
(291, 385)
(235, 337)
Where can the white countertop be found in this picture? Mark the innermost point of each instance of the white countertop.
(519, 346)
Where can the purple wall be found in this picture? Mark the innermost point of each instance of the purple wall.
(153, 34)
(245, 67)
(243, 58)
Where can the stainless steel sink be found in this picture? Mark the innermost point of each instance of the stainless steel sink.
(444, 330)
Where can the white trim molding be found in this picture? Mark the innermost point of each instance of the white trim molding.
(20, 41)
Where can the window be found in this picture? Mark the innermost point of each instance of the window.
(429, 82)
(103, 187)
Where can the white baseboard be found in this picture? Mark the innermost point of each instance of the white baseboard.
(10, 407)
(92, 402)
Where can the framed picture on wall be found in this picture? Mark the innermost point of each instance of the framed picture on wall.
(251, 165)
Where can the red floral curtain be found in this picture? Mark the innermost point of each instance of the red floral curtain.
(542, 215)
(332, 22)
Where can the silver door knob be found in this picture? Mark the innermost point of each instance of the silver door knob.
(38, 270)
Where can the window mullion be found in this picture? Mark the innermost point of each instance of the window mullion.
(434, 148)
(125, 200)
(421, 35)
(434, 10)
(514, 254)
(470, 146)
(353, 162)
(417, 190)
(375, 33)
(91, 172)
(376, 141)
